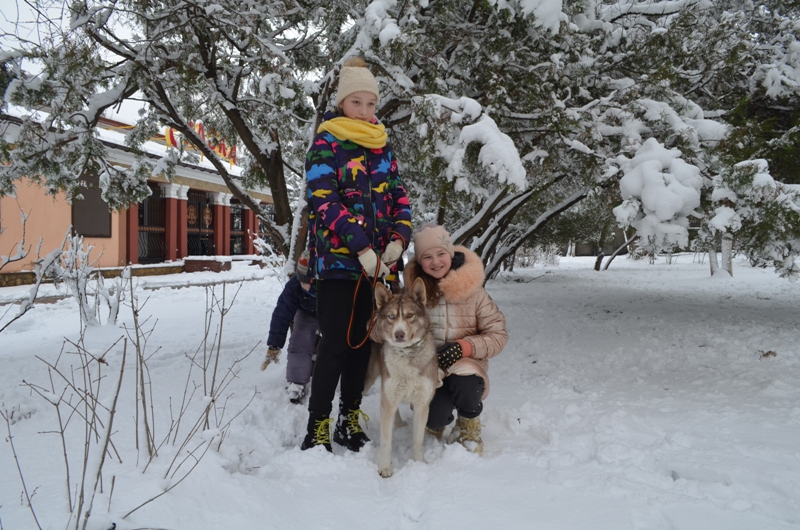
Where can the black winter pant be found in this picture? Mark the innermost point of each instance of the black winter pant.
(335, 358)
(460, 392)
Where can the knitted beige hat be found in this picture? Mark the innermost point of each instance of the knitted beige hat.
(355, 77)
(430, 236)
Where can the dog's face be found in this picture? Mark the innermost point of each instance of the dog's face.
(402, 319)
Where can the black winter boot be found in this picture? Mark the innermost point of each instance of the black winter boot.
(348, 431)
(318, 433)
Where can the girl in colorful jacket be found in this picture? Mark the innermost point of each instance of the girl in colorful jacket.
(468, 329)
(359, 225)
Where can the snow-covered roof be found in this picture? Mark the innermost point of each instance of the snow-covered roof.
(112, 132)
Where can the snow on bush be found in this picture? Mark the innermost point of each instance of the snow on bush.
(470, 124)
(761, 213)
(659, 190)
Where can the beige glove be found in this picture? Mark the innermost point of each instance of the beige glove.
(393, 252)
(273, 356)
(369, 260)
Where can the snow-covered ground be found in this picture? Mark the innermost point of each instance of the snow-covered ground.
(645, 397)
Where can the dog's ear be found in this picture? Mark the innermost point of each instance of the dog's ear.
(382, 295)
(418, 293)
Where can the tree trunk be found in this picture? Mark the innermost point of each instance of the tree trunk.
(515, 241)
(442, 211)
(493, 263)
(510, 262)
(712, 256)
(624, 245)
(482, 220)
(727, 253)
(601, 243)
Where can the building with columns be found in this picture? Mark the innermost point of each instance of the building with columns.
(188, 217)
(192, 215)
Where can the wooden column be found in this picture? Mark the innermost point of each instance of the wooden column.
(168, 191)
(222, 223)
(250, 230)
(183, 224)
(175, 225)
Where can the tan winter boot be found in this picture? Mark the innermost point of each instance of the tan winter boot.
(436, 433)
(469, 434)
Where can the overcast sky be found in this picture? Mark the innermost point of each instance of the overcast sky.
(18, 18)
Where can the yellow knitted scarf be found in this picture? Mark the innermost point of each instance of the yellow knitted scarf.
(369, 135)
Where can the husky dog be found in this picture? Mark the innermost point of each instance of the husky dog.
(406, 363)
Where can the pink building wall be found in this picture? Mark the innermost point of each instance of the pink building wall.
(49, 218)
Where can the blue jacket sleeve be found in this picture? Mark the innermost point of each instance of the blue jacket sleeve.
(283, 315)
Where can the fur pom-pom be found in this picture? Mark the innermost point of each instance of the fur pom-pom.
(356, 62)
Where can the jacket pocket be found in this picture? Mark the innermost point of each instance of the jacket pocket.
(353, 199)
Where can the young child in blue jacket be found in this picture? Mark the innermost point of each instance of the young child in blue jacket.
(296, 306)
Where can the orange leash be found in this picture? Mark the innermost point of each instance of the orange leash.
(372, 310)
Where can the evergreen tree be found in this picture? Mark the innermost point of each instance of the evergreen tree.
(505, 115)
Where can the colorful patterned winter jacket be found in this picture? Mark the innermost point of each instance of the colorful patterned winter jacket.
(355, 201)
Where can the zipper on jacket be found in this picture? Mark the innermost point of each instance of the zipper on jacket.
(371, 199)
(446, 320)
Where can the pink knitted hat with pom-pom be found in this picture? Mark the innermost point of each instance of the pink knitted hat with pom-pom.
(431, 236)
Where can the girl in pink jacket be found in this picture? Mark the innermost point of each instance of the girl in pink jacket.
(468, 329)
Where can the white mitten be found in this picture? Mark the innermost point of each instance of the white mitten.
(393, 252)
(369, 260)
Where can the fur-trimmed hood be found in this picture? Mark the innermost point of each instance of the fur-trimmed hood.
(459, 284)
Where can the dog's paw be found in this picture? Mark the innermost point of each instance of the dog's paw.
(385, 472)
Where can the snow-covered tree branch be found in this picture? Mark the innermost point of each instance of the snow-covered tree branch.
(485, 101)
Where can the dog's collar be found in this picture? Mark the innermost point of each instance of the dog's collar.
(410, 349)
